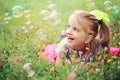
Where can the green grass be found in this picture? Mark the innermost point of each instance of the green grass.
(14, 42)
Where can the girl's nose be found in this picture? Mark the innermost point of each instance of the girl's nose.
(68, 31)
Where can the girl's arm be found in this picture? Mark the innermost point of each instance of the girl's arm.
(61, 51)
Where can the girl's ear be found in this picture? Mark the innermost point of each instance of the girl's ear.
(89, 38)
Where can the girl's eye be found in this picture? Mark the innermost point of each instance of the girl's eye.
(75, 29)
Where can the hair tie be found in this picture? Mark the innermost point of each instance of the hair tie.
(100, 22)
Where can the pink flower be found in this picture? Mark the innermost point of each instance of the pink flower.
(119, 62)
(115, 51)
(17, 58)
(102, 60)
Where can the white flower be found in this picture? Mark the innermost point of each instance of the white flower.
(97, 69)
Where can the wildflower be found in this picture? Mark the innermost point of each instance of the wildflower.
(102, 60)
(114, 56)
(99, 58)
(52, 69)
(97, 69)
(117, 30)
(27, 68)
(71, 75)
(114, 24)
(39, 53)
(17, 59)
(105, 49)
(82, 63)
(118, 67)
(109, 60)
(115, 51)
(118, 61)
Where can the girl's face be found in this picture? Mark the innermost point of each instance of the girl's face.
(75, 33)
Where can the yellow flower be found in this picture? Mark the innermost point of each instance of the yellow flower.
(26, 39)
(99, 57)
(39, 53)
(119, 43)
(109, 60)
(118, 67)
(52, 69)
(114, 57)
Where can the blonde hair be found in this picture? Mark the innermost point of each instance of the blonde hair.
(101, 35)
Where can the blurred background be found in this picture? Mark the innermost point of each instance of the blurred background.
(28, 25)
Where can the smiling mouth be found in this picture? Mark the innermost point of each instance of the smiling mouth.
(70, 39)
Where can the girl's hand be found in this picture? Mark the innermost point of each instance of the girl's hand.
(59, 61)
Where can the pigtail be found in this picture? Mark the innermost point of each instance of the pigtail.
(104, 35)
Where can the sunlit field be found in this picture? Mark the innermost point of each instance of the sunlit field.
(26, 26)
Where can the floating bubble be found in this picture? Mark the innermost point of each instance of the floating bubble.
(54, 15)
(107, 5)
(91, 3)
(42, 36)
(27, 13)
(52, 7)
(7, 17)
(24, 28)
(45, 14)
(17, 11)
(27, 67)
(29, 24)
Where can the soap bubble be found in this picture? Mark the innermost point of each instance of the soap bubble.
(42, 36)
(54, 14)
(45, 14)
(107, 5)
(28, 68)
(27, 13)
(29, 24)
(52, 7)
(17, 11)
(7, 17)
(91, 3)
(25, 29)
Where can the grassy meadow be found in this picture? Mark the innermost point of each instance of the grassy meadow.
(28, 25)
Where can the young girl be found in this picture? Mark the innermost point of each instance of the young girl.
(86, 37)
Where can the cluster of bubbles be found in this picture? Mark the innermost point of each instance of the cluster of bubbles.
(108, 6)
(41, 34)
(16, 12)
(51, 14)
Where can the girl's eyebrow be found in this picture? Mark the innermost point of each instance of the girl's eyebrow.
(68, 25)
